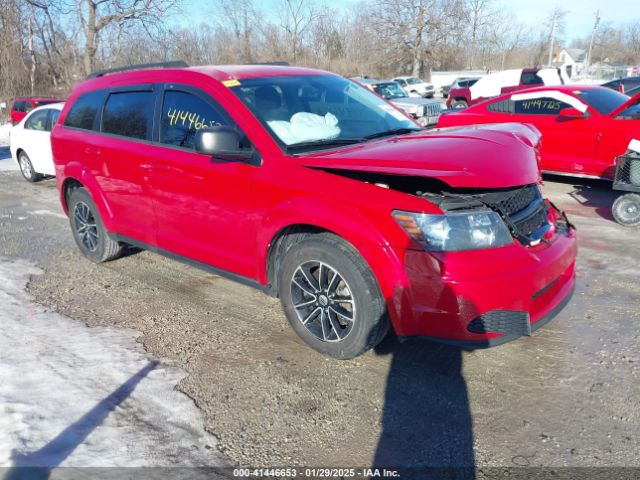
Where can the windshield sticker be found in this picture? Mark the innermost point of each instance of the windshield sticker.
(393, 112)
(231, 83)
(189, 119)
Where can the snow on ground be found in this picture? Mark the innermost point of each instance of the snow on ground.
(77, 396)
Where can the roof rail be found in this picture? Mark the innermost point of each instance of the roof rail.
(141, 66)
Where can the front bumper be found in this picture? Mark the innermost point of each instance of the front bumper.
(460, 297)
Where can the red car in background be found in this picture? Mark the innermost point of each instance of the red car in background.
(583, 127)
(22, 106)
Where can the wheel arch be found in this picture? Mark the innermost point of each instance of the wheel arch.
(77, 177)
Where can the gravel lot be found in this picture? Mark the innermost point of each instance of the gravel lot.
(568, 396)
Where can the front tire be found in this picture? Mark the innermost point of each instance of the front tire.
(331, 298)
(626, 210)
(26, 168)
(88, 230)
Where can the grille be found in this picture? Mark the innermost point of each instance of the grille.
(526, 210)
(507, 322)
(517, 200)
(433, 109)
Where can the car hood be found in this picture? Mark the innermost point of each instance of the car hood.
(629, 103)
(481, 156)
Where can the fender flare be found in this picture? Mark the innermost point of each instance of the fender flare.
(348, 225)
(78, 172)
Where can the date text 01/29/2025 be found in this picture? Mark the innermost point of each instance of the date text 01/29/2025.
(315, 473)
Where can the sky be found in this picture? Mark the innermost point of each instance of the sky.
(578, 23)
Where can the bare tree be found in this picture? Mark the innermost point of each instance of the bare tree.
(97, 15)
(296, 17)
(479, 15)
(557, 26)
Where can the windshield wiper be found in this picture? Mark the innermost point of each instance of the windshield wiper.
(327, 142)
(393, 131)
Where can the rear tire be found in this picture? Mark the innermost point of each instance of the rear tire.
(331, 298)
(88, 230)
(459, 104)
(626, 210)
(26, 168)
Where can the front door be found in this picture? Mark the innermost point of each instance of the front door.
(202, 205)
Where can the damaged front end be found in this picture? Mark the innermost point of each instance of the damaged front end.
(530, 218)
(523, 209)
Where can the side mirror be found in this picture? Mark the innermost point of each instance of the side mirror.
(221, 142)
(571, 113)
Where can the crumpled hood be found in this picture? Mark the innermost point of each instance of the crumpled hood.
(479, 156)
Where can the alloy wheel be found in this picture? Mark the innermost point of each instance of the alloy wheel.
(85, 225)
(25, 166)
(323, 301)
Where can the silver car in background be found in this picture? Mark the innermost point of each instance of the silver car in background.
(425, 110)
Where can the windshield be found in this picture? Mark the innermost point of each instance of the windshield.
(413, 80)
(325, 109)
(389, 90)
(604, 100)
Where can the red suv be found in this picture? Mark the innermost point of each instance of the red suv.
(307, 186)
(22, 106)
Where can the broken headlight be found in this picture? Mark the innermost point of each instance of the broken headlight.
(470, 230)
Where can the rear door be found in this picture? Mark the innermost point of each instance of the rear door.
(121, 148)
(203, 206)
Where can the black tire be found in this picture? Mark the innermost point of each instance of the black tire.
(626, 210)
(459, 103)
(26, 168)
(93, 241)
(367, 307)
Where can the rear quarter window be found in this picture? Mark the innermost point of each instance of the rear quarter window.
(129, 114)
(84, 110)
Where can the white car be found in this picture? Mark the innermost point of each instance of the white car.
(30, 144)
(415, 86)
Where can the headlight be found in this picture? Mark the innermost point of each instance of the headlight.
(470, 230)
(420, 110)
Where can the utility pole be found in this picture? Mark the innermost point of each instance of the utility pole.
(552, 36)
(593, 38)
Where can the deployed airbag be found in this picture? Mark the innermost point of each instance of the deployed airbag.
(306, 127)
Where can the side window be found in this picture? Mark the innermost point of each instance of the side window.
(531, 78)
(28, 106)
(37, 121)
(128, 114)
(18, 106)
(53, 118)
(540, 106)
(183, 114)
(502, 106)
(84, 110)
